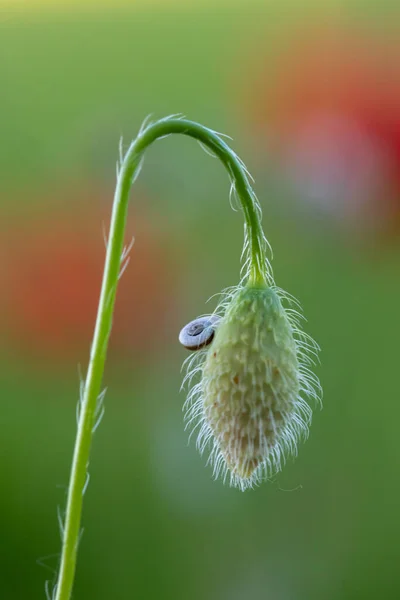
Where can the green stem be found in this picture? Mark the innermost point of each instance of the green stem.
(257, 274)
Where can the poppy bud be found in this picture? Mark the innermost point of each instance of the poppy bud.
(249, 399)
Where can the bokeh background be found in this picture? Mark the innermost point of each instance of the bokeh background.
(311, 96)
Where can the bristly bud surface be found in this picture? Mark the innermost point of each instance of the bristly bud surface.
(250, 401)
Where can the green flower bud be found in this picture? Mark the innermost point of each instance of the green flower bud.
(249, 402)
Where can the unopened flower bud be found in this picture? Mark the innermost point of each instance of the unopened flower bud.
(249, 399)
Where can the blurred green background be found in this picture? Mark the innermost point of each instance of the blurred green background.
(73, 79)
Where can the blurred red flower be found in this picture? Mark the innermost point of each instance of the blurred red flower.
(329, 109)
(52, 276)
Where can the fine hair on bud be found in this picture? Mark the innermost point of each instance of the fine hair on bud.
(251, 402)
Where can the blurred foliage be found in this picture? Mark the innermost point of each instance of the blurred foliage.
(155, 524)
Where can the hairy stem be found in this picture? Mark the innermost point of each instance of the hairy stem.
(257, 274)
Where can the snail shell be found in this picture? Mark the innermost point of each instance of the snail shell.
(199, 333)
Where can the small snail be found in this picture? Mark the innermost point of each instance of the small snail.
(199, 333)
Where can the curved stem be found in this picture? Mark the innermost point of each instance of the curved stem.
(257, 274)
